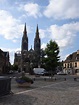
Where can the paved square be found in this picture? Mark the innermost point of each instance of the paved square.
(45, 93)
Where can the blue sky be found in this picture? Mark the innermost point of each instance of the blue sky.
(57, 20)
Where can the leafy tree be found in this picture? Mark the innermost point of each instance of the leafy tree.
(15, 67)
(52, 59)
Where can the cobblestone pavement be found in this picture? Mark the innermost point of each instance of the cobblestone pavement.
(44, 93)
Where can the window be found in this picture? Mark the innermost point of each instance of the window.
(75, 64)
(68, 65)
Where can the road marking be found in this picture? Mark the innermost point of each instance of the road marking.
(38, 88)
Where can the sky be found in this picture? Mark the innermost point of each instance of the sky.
(57, 20)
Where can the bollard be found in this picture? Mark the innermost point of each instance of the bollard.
(55, 79)
(75, 79)
(65, 79)
(45, 79)
(34, 79)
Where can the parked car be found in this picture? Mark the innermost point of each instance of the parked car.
(47, 73)
(38, 71)
(11, 72)
(61, 73)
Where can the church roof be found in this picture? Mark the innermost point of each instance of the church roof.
(31, 50)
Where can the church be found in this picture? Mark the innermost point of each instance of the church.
(28, 59)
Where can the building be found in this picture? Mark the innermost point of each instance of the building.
(17, 60)
(27, 59)
(7, 62)
(4, 62)
(71, 64)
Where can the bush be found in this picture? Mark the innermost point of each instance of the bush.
(24, 79)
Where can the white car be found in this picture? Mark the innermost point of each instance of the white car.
(11, 72)
(39, 71)
(61, 73)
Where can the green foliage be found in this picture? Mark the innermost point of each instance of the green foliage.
(15, 67)
(24, 79)
(52, 59)
(27, 79)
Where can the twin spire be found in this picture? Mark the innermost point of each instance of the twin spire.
(37, 31)
(25, 40)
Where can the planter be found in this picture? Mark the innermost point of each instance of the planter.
(24, 81)
(26, 84)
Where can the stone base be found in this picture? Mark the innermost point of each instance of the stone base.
(26, 84)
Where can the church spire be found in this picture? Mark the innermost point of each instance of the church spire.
(25, 32)
(37, 32)
(25, 39)
(37, 40)
(37, 28)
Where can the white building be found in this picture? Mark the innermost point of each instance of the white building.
(71, 64)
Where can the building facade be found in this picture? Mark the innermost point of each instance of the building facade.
(27, 59)
(4, 62)
(71, 64)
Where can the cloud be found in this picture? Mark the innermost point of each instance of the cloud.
(64, 35)
(62, 9)
(43, 46)
(42, 33)
(31, 9)
(11, 28)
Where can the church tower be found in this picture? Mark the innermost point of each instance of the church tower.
(24, 50)
(30, 58)
(24, 46)
(37, 44)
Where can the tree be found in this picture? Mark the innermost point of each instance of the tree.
(15, 67)
(52, 56)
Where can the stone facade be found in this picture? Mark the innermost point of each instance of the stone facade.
(27, 59)
(17, 59)
(71, 64)
(4, 62)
